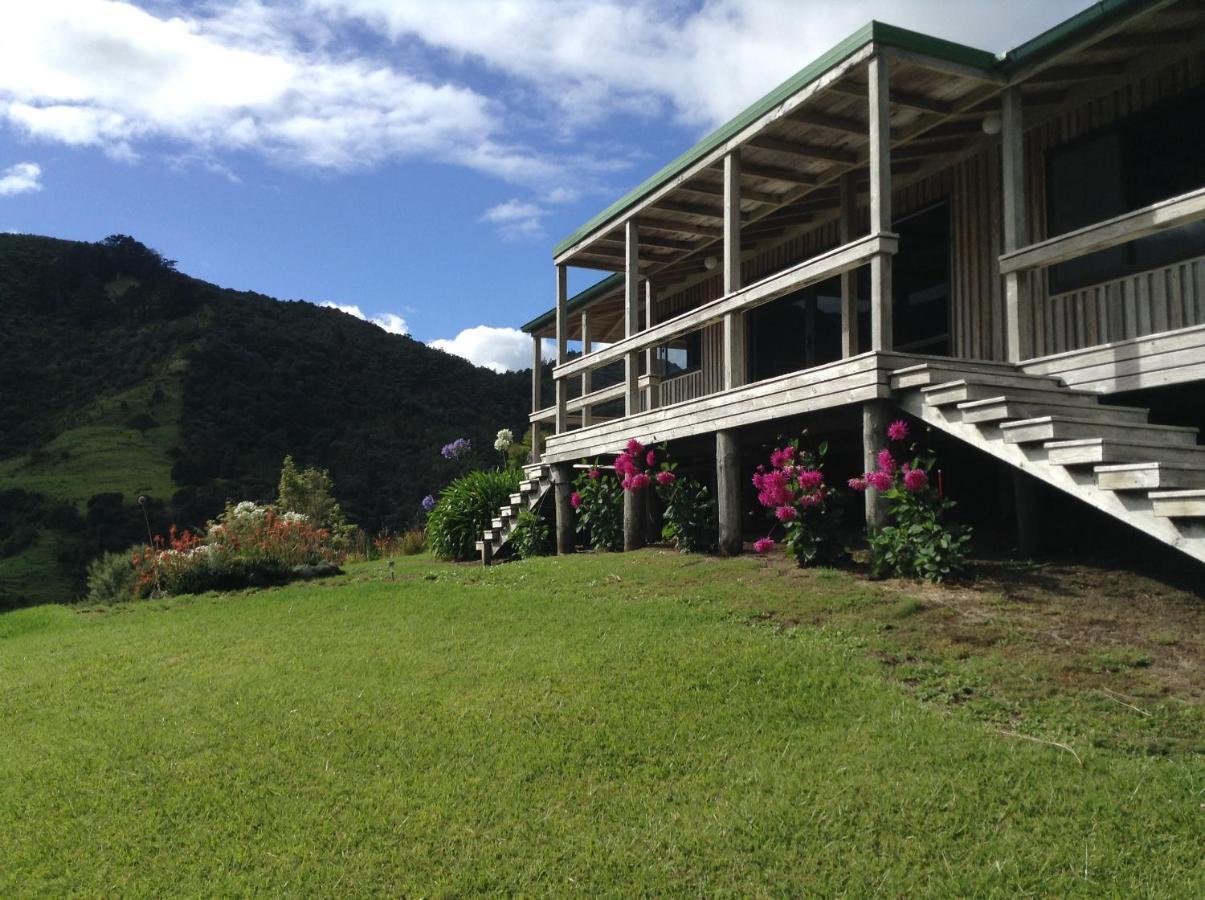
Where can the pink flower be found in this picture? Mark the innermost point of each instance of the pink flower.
(780, 458)
(650, 458)
(623, 464)
(812, 499)
(626, 484)
(880, 481)
(774, 488)
(666, 477)
(786, 513)
(636, 482)
(764, 545)
(915, 480)
(810, 479)
(857, 484)
(898, 430)
(635, 448)
(595, 473)
(886, 461)
(575, 499)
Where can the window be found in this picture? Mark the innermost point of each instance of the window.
(681, 355)
(1146, 158)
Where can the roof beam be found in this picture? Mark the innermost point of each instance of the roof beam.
(806, 151)
(1172, 37)
(899, 98)
(774, 173)
(715, 190)
(650, 240)
(844, 124)
(657, 224)
(689, 209)
(1080, 72)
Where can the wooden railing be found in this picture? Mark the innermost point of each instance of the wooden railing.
(820, 268)
(1131, 226)
(687, 386)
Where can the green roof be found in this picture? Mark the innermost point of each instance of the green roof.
(593, 292)
(1097, 15)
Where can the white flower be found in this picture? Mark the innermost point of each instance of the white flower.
(291, 516)
(504, 439)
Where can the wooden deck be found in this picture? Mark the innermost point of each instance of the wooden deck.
(848, 381)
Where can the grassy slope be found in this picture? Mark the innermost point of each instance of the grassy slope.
(607, 724)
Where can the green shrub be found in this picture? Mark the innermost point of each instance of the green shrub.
(465, 509)
(689, 516)
(530, 537)
(111, 579)
(599, 508)
(412, 542)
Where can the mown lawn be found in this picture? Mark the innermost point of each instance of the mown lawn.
(620, 725)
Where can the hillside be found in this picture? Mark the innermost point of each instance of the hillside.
(121, 377)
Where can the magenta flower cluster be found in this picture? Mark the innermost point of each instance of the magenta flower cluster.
(884, 477)
(791, 485)
(636, 467)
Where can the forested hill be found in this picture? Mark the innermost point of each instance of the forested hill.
(121, 377)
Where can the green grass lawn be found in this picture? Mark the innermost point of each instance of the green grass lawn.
(621, 725)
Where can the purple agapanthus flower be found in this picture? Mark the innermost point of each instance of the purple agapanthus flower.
(428, 503)
(457, 448)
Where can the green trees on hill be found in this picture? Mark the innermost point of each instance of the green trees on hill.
(216, 387)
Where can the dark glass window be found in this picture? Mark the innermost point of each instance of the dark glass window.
(683, 354)
(1146, 158)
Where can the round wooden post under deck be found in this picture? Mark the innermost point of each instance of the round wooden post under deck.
(566, 524)
(728, 492)
(876, 416)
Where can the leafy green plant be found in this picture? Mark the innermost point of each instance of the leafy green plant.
(111, 579)
(465, 509)
(530, 537)
(917, 543)
(598, 498)
(688, 520)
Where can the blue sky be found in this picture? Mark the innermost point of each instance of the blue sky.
(412, 162)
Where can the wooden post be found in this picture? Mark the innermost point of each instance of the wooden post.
(1017, 311)
(876, 416)
(562, 486)
(849, 280)
(631, 299)
(1026, 507)
(728, 492)
(562, 348)
(487, 552)
(650, 320)
(588, 375)
(634, 519)
(734, 323)
(881, 297)
(537, 392)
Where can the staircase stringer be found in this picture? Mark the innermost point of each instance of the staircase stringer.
(1132, 509)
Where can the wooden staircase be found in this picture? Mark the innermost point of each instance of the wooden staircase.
(1149, 476)
(537, 479)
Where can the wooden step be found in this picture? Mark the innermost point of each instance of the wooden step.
(1188, 504)
(968, 389)
(920, 376)
(1149, 476)
(1101, 451)
(1065, 428)
(516, 499)
(996, 409)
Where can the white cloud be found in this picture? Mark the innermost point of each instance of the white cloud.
(390, 322)
(20, 179)
(111, 75)
(516, 218)
(500, 349)
(591, 58)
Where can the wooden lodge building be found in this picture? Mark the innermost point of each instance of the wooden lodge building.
(1010, 249)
